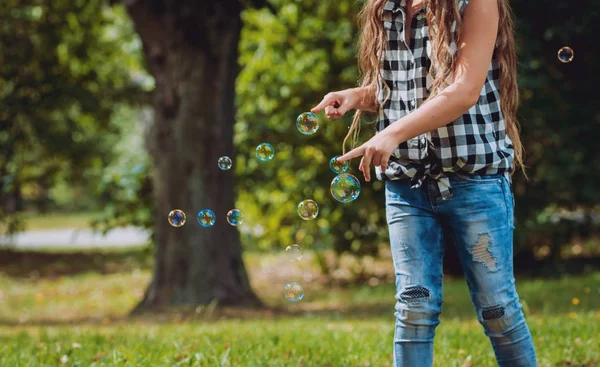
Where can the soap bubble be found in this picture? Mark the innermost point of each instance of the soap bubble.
(566, 54)
(206, 218)
(338, 167)
(225, 163)
(176, 218)
(345, 188)
(308, 209)
(265, 152)
(307, 123)
(294, 252)
(294, 292)
(235, 217)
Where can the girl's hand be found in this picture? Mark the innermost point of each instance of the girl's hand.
(377, 151)
(336, 104)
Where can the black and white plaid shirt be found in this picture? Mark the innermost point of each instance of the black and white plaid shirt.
(475, 143)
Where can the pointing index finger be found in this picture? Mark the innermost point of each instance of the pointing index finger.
(321, 105)
(357, 152)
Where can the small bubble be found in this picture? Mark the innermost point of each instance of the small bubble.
(308, 209)
(566, 54)
(338, 167)
(225, 163)
(265, 152)
(206, 218)
(345, 188)
(294, 252)
(294, 292)
(176, 218)
(307, 123)
(235, 217)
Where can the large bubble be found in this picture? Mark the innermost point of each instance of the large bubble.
(345, 188)
(307, 123)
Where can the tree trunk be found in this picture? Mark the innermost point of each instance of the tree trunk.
(191, 48)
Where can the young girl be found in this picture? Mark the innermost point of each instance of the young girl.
(441, 75)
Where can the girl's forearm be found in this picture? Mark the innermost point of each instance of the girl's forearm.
(449, 105)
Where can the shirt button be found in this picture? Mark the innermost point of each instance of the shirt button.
(410, 64)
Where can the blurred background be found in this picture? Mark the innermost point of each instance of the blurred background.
(114, 113)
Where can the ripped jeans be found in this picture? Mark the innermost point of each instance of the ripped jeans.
(479, 219)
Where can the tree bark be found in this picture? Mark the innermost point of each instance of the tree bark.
(191, 49)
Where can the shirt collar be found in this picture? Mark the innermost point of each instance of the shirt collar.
(397, 5)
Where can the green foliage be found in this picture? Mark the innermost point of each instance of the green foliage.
(559, 115)
(307, 49)
(65, 66)
(125, 184)
(68, 68)
(290, 61)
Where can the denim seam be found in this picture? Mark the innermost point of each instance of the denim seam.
(506, 200)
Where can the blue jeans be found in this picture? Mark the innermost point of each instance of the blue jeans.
(479, 220)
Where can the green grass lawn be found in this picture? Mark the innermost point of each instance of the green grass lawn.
(80, 320)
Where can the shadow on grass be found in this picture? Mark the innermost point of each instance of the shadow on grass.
(44, 264)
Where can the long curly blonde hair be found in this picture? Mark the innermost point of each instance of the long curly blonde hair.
(440, 16)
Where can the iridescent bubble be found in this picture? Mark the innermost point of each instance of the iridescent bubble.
(235, 217)
(307, 123)
(206, 218)
(293, 252)
(176, 218)
(338, 167)
(294, 292)
(345, 188)
(265, 152)
(225, 163)
(308, 209)
(566, 54)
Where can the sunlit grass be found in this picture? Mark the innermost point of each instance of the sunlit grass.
(330, 327)
(82, 318)
(81, 297)
(298, 341)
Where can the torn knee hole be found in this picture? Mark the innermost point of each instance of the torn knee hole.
(481, 252)
(414, 293)
(493, 313)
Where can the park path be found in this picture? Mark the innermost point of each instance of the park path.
(76, 239)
